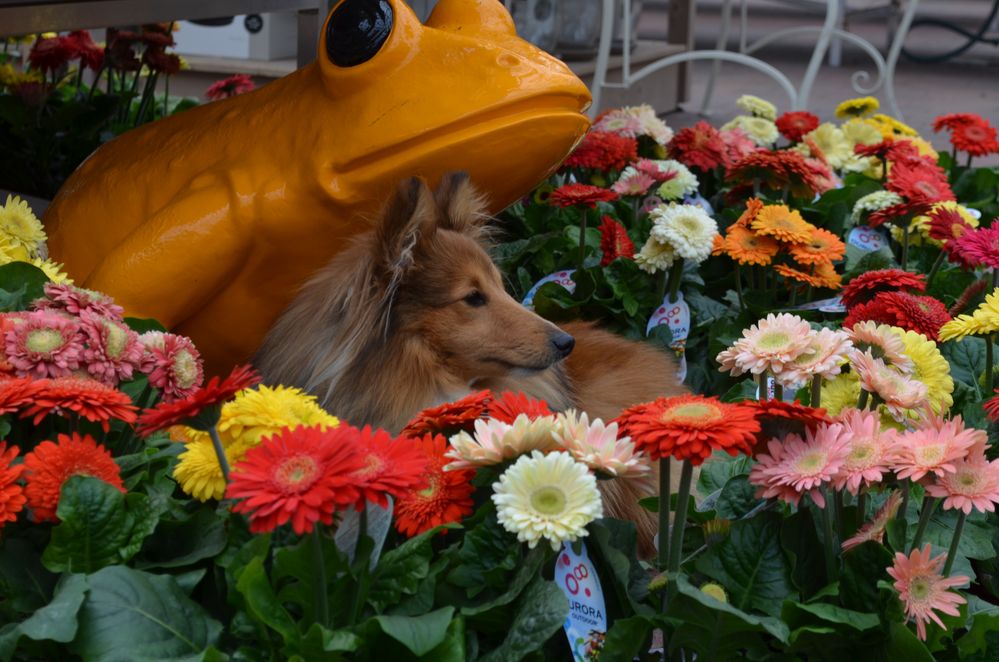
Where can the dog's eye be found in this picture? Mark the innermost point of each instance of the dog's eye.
(476, 299)
(357, 30)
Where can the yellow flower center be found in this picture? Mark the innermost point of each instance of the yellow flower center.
(691, 411)
(860, 453)
(372, 465)
(117, 339)
(44, 341)
(967, 479)
(811, 461)
(548, 500)
(919, 588)
(773, 340)
(930, 454)
(296, 472)
(185, 369)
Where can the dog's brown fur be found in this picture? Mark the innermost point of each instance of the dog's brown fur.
(414, 313)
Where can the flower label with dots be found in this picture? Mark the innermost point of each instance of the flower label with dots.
(676, 316)
(586, 624)
(867, 239)
(563, 278)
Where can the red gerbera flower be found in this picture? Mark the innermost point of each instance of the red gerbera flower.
(82, 46)
(12, 497)
(17, 393)
(921, 314)
(900, 213)
(689, 427)
(230, 87)
(603, 150)
(795, 124)
(447, 497)
(301, 475)
(920, 181)
(200, 410)
(889, 149)
(89, 398)
(947, 225)
(388, 467)
(699, 146)
(614, 241)
(49, 54)
(778, 419)
(777, 170)
(992, 407)
(951, 120)
(511, 405)
(865, 286)
(580, 195)
(975, 139)
(52, 464)
(158, 60)
(449, 418)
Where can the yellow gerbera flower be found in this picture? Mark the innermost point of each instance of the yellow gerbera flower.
(20, 225)
(929, 367)
(10, 252)
(832, 143)
(857, 107)
(53, 270)
(859, 132)
(894, 125)
(983, 321)
(843, 392)
(264, 411)
(198, 472)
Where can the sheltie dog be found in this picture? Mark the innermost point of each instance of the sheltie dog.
(413, 314)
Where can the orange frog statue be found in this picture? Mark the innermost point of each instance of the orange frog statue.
(212, 219)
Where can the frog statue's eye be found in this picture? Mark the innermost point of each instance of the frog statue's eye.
(357, 30)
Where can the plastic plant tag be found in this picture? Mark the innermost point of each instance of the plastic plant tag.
(377, 527)
(865, 238)
(772, 391)
(833, 305)
(563, 278)
(676, 316)
(586, 624)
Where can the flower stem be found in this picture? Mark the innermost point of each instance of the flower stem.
(675, 276)
(664, 501)
(661, 291)
(778, 391)
(862, 403)
(905, 246)
(582, 236)
(322, 605)
(904, 508)
(219, 452)
(831, 549)
(935, 268)
(680, 520)
(861, 508)
(929, 504)
(763, 387)
(816, 399)
(838, 510)
(988, 365)
(362, 590)
(738, 287)
(952, 552)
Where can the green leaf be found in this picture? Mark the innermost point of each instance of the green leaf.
(625, 638)
(612, 546)
(57, 620)
(99, 526)
(737, 498)
(718, 469)
(420, 634)
(401, 570)
(319, 640)
(263, 604)
(751, 565)
(25, 585)
(20, 284)
(744, 390)
(541, 612)
(527, 571)
(828, 613)
(967, 361)
(179, 543)
(863, 567)
(903, 645)
(803, 547)
(141, 325)
(487, 554)
(133, 615)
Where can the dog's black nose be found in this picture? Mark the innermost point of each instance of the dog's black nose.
(563, 343)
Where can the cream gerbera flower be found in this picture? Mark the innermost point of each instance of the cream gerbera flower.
(756, 106)
(597, 446)
(929, 367)
(832, 143)
(20, 225)
(760, 130)
(860, 132)
(770, 345)
(900, 393)
(687, 228)
(873, 202)
(655, 256)
(827, 352)
(495, 441)
(547, 496)
(882, 342)
(682, 181)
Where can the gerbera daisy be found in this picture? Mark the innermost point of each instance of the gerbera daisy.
(934, 448)
(888, 149)
(923, 590)
(975, 139)
(756, 106)
(822, 246)
(797, 275)
(198, 471)
(947, 224)
(43, 344)
(113, 350)
(603, 150)
(699, 146)
(900, 214)
(973, 485)
(840, 393)
(979, 247)
(689, 427)
(746, 218)
(614, 241)
(746, 247)
(783, 224)
(794, 466)
(447, 497)
(495, 441)
(52, 270)
(900, 309)
(778, 418)
(229, 87)
(655, 256)
(12, 497)
(919, 182)
(547, 496)
(930, 368)
(597, 446)
(632, 183)
(84, 397)
(893, 125)
(74, 300)
(794, 125)
(580, 195)
(881, 341)
(877, 201)
(49, 54)
(301, 475)
(835, 147)
(863, 287)
(51, 464)
(826, 276)
(676, 180)
(20, 225)
(450, 417)
(508, 406)
(16, 393)
(776, 170)
(875, 528)
(951, 120)
(992, 407)
(172, 364)
(899, 392)
(868, 450)
(634, 121)
(687, 228)
(857, 107)
(263, 411)
(763, 132)
(828, 350)
(767, 346)
(388, 466)
(737, 144)
(201, 409)
(653, 169)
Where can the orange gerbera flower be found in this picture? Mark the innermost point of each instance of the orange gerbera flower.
(52, 464)
(447, 497)
(12, 498)
(449, 418)
(509, 406)
(89, 398)
(689, 427)
(822, 247)
(783, 224)
(828, 277)
(753, 207)
(746, 247)
(16, 393)
(797, 275)
(388, 466)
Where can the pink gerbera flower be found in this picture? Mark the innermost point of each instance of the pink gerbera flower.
(75, 300)
(172, 364)
(875, 528)
(974, 483)
(923, 589)
(797, 466)
(934, 448)
(113, 350)
(767, 346)
(597, 446)
(880, 342)
(899, 392)
(869, 450)
(44, 344)
(979, 247)
(827, 352)
(632, 182)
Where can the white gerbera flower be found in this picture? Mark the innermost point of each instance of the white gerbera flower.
(757, 107)
(547, 496)
(596, 445)
(687, 228)
(760, 130)
(873, 202)
(495, 441)
(655, 256)
(683, 182)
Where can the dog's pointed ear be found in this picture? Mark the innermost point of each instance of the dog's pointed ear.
(463, 208)
(409, 218)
